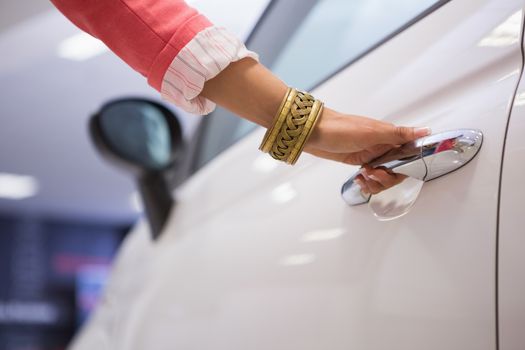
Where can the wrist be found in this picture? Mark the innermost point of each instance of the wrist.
(318, 137)
(297, 118)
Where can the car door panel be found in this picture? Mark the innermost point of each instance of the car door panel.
(511, 235)
(259, 255)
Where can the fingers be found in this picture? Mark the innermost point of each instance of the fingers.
(351, 134)
(398, 135)
(365, 156)
(375, 180)
(361, 182)
(374, 186)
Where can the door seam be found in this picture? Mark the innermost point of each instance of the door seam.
(498, 210)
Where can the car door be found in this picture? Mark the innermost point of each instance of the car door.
(259, 255)
(511, 234)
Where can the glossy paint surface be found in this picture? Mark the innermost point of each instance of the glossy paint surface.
(259, 255)
(511, 266)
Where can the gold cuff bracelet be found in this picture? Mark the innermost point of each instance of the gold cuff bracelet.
(292, 126)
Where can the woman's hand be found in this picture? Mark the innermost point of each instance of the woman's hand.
(358, 140)
(375, 180)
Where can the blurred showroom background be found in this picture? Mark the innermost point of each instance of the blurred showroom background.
(63, 210)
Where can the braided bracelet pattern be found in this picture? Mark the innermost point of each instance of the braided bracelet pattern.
(272, 133)
(309, 126)
(293, 125)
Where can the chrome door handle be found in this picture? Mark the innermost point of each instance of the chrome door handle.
(425, 159)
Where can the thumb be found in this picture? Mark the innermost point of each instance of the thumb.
(397, 135)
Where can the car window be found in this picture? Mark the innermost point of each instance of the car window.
(333, 34)
(337, 31)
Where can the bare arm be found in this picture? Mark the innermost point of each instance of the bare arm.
(250, 90)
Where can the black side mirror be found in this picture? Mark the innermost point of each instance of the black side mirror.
(144, 138)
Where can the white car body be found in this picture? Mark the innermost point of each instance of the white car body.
(259, 255)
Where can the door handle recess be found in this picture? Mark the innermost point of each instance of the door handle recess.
(425, 159)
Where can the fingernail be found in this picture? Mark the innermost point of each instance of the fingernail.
(359, 182)
(375, 178)
(365, 174)
(423, 131)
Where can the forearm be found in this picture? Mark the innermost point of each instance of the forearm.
(248, 89)
(253, 92)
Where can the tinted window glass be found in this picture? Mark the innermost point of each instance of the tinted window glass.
(337, 31)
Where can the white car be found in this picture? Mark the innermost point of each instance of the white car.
(259, 255)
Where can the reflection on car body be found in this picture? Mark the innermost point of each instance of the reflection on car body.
(233, 269)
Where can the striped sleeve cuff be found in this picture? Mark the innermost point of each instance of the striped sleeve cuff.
(205, 56)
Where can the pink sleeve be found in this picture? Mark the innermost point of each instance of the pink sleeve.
(146, 34)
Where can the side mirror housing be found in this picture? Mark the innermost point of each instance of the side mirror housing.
(144, 138)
